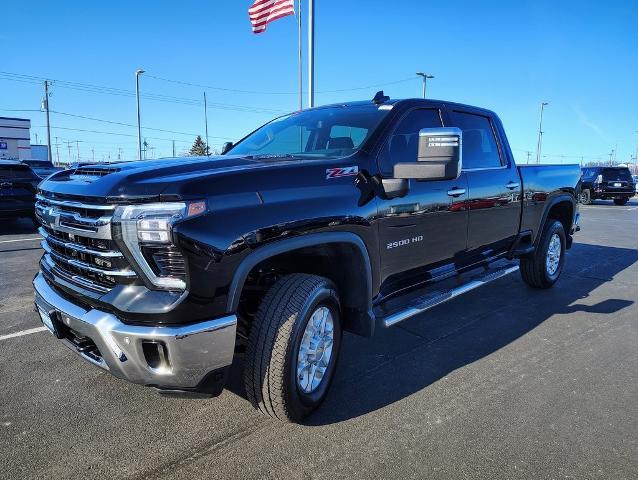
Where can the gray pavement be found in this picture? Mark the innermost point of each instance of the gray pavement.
(505, 382)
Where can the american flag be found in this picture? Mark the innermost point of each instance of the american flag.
(263, 12)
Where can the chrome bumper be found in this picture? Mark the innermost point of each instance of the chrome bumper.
(164, 357)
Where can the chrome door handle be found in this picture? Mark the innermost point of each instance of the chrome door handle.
(5, 184)
(456, 192)
(512, 185)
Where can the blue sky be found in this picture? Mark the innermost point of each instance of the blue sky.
(580, 56)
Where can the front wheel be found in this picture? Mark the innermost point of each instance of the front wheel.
(293, 347)
(544, 266)
(621, 201)
(585, 197)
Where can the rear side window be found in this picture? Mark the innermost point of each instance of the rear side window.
(403, 144)
(479, 144)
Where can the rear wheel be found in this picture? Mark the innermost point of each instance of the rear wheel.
(293, 347)
(585, 197)
(621, 201)
(544, 266)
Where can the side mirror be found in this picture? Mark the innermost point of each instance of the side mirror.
(226, 147)
(439, 156)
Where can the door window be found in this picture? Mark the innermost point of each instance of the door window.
(403, 144)
(479, 144)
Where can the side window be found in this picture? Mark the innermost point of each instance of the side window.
(479, 144)
(403, 144)
(351, 137)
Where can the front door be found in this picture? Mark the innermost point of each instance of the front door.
(427, 227)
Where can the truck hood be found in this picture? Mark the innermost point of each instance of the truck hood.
(154, 178)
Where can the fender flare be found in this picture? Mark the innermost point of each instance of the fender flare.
(554, 201)
(295, 243)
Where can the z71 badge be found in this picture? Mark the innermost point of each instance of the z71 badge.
(338, 172)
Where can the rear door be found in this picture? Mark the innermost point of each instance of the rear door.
(428, 225)
(494, 194)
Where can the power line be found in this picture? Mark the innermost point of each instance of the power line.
(126, 93)
(258, 92)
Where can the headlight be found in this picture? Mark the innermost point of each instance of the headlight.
(148, 228)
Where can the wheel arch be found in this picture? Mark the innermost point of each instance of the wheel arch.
(561, 208)
(345, 260)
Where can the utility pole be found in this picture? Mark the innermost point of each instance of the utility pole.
(173, 148)
(425, 77)
(540, 134)
(57, 150)
(529, 154)
(93, 154)
(206, 120)
(299, 54)
(46, 107)
(611, 154)
(139, 125)
(77, 144)
(145, 148)
(311, 53)
(68, 144)
(119, 153)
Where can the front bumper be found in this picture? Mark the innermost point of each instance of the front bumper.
(184, 358)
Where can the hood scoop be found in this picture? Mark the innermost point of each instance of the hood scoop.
(90, 174)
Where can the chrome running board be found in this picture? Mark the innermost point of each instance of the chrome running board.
(431, 300)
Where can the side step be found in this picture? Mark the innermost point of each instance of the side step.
(431, 300)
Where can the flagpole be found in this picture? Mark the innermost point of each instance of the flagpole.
(311, 53)
(299, 26)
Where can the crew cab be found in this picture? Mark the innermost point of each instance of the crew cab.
(607, 183)
(348, 217)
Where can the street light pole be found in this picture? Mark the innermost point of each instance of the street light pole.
(425, 77)
(540, 134)
(139, 126)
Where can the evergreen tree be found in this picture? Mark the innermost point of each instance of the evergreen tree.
(199, 148)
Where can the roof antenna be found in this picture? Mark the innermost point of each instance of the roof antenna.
(380, 98)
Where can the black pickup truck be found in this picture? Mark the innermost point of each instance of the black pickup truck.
(348, 217)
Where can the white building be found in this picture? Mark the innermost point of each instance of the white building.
(15, 138)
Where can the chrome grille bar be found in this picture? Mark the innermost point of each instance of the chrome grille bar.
(84, 265)
(74, 204)
(77, 247)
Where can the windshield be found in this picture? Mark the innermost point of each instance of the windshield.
(322, 132)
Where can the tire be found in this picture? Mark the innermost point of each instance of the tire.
(621, 201)
(585, 197)
(275, 341)
(537, 271)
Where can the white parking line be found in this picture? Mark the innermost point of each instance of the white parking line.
(22, 333)
(21, 240)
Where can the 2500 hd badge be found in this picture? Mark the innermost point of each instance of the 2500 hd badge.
(404, 242)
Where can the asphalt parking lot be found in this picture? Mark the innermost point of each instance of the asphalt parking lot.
(505, 382)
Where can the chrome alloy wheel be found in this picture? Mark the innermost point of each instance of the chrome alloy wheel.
(552, 259)
(315, 350)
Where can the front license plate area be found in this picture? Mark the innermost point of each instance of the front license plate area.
(47, 320)
(617, 184)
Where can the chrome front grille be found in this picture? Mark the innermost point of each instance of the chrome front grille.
(78, 245)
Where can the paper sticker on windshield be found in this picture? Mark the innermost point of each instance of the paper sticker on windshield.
(338, 172)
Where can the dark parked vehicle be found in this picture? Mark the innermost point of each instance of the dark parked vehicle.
(349, 217)
(42, 168)
(18, 185)
(607, 183)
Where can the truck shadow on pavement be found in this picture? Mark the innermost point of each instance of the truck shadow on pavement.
(402, 360)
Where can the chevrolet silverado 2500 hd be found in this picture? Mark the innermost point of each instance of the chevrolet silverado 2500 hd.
(349, 217)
